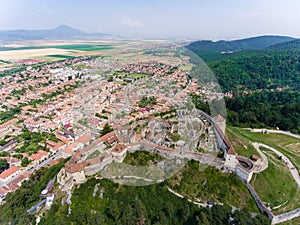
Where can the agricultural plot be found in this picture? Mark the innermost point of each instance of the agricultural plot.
(62, 56)
(78, 47)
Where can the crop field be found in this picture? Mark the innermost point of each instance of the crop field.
(78, 47)
(3, 62)
(30, 53)
(49, 52)
(62, 56)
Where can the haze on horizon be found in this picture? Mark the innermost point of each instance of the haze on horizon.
(197, 19)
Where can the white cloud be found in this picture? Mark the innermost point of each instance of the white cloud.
(132, 22)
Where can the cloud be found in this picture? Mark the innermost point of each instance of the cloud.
(132, 22)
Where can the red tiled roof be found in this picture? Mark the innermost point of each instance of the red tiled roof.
(4, 190)
(73, 168)
(84, 139)
(119, 148)
(38, 155)
(105, 137)
(9, 172)
(63, 139)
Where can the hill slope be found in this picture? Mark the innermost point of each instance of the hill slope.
(290, 45)
(264, 80)
(205, 48)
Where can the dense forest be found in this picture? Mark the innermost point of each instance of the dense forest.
(266, 109)
(263, 74)
(105, 202)
(272, 70)
(128, 205)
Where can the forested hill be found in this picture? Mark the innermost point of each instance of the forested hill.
(204, 48)
(258, 77)
(261, 71)
(290, 45)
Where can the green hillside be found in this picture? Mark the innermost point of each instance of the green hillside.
(262, 73)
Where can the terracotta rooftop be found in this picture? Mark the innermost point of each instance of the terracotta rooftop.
(38, 155)
(106, 136)
(84, 139)
(138, 137)
(74, 168)
(4, 190)
(9, 172)
(63, 139)
(119, 148)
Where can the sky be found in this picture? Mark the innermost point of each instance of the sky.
(196, 19)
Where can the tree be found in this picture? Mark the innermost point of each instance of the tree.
(110, 79)
(25, 162)
(106, 129)
(3, 165)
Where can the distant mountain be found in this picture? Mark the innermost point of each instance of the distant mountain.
(290, 45)
(254, 43)
(60, 32)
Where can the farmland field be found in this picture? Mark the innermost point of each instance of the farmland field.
(51, 51)
(78, 47)
(62, 56)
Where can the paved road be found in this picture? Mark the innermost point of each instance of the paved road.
(273, 131)
(33, 168)
(263, 162)
(287, 161)
(35, 208)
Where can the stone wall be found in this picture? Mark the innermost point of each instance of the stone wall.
(243, 173)
(263, 209)
(91, 170)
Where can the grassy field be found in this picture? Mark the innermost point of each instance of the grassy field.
(279, 188)
(211, 185)
(3, 62)
(62, 56)
(48, 58)
(142, 158)
(80, 47)
(242, 145)
(186, 67)
(94, 154)
(287, 145)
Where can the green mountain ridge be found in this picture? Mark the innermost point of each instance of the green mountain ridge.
(253, 43)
